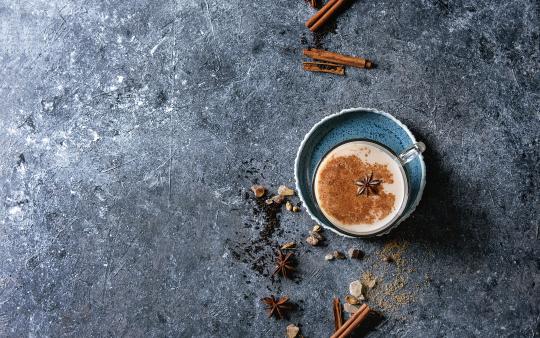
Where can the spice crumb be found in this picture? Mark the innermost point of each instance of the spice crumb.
(388, 259)
(355, 253)
(350, 308)
(285, 191)
(368, 280)
(277, 199)
(258, 190)
(288, 245)
(292, 331)
(289, 206)
(352, 300)
(312, 240)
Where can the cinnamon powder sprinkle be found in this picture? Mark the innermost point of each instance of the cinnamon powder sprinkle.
(393, 288)
(338, 193)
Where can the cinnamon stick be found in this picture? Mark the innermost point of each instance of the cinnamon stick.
(338, 315)
(352, 323)
(324, 55)
(328, 15)
(324, 67)
(320, 13)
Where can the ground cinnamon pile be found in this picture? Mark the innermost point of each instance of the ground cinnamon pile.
(390, 277)
(338, 193)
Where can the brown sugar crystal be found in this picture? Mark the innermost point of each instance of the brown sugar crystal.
(338, 193)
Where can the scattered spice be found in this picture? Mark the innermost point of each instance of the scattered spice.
(395, 249)
(285, 191)
(292, 331)
(387, 284)
(368, 280)
(258, 190)
(314, 238)
(284, 264)
(387, 295)
(317, 235)
(355, 253)
(257, 252)
(311, 240)
(339, 255)
(388, 259)
(317, 38)
(277, 307)
(288, 245)
(289, 206)
(277, 199)
(352, 300)
(368, 185)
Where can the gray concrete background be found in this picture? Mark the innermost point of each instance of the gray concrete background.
(125, 127)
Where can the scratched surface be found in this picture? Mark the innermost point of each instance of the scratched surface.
(129, 131)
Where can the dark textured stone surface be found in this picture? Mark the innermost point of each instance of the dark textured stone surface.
(129, 131)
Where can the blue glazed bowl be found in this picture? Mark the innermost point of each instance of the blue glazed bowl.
(351, 124)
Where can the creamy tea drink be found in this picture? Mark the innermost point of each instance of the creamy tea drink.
(360, 187)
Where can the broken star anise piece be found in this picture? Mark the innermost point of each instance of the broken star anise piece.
(277, 307)
(367, 185)
(284, 264)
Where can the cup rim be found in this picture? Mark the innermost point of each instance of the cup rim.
(308, 135)
(402, 206)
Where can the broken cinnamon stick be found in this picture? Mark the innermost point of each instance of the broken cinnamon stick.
(338, 315)
(324, 67)
(324, 17)
(324, 55)
(352, 323)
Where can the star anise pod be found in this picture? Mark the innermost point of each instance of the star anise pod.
(367, 185)
(284, 264)
(277, 307)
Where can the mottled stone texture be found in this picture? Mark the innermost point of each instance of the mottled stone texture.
(125, 127)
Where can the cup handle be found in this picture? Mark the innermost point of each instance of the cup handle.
(410, 153)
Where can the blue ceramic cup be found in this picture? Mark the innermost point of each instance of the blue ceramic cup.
(368, 125)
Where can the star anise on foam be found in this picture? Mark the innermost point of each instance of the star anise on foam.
(284, 264)
(277, 307)
(367, 185)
